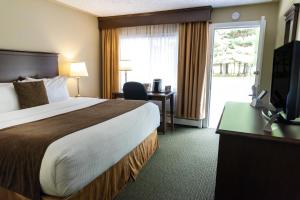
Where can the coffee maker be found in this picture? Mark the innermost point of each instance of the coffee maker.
(157, 85)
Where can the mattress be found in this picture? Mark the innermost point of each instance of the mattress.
(73, 161)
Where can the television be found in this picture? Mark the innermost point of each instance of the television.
(285, 90)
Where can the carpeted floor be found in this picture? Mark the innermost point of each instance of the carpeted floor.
(183, 168)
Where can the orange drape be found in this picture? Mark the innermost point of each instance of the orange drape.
(109, 62)
(192, 63)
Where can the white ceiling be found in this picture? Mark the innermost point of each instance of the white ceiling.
(103, 8)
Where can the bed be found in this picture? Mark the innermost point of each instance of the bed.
(91, 163)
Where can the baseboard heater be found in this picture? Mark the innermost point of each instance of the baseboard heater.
(187, 122)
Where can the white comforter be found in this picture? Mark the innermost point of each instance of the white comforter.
(73, 161)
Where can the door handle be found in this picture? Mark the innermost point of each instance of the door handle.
(256, 73)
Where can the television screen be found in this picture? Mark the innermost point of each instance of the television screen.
(285, 91)
(281, 76)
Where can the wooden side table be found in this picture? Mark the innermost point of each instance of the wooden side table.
(163, 97)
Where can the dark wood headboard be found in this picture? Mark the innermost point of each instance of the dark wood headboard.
(16, 64)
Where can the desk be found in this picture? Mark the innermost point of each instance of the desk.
(163, 97)
(253, 164)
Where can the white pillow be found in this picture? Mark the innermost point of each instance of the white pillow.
(8, 98)
(56, 88)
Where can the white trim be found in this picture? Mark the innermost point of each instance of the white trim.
(260, 52)
(242, 24)
(209, 72)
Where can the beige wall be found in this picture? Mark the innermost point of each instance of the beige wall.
(43, 25)
(284, 5)
(254, 13)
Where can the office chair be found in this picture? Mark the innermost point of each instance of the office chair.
(135, 91)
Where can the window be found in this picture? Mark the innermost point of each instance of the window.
(152, 51)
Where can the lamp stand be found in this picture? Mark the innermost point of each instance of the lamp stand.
(78, 90)
(125, 76)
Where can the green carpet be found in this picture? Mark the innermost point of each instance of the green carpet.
(184, 167)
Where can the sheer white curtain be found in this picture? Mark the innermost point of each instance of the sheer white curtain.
(152, 51)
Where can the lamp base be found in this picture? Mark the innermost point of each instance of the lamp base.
(78, 90)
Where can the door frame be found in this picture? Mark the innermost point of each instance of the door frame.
(228, 25)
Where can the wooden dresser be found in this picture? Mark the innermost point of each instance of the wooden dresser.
(253, 164)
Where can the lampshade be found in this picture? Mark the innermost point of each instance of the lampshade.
(125, 65)
(78, 69)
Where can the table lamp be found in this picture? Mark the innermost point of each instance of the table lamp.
(125, 66)
(78, 70)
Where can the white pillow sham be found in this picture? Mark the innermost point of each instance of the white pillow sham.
(8, 98)
(56, 88)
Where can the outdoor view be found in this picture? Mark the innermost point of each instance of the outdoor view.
(234, 62)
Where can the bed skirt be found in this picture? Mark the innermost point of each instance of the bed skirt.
(111, 182)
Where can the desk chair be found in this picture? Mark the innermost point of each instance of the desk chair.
(135, 91)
